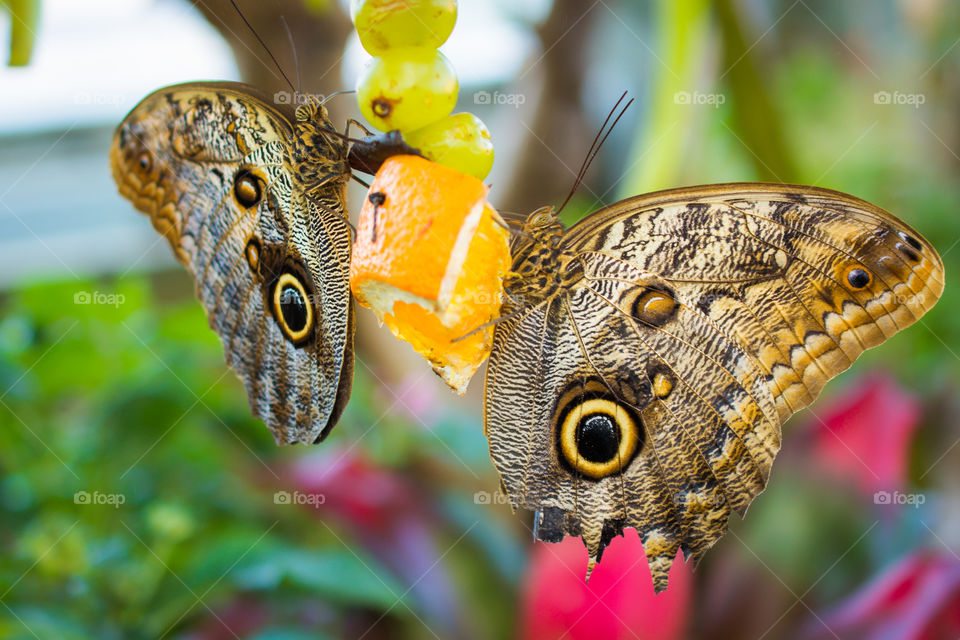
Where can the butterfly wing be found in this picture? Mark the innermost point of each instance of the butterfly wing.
(217, 170)
(648, 391)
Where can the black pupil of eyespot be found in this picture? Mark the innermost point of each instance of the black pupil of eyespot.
(293, 307)
(858, 278)
(144, 162)
(598, 438)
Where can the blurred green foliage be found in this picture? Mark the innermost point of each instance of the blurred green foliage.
(132, 399)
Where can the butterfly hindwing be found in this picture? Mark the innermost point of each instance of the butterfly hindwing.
(646, 388)
(219, 171)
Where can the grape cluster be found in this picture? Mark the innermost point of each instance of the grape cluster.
(409, 85)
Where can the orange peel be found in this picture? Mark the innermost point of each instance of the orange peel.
(428, 260)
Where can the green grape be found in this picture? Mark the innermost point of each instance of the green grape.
(407, 89)
(460, 141)
(23, 30)
(390, 24)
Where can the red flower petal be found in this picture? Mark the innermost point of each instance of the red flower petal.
(618, 602)
(916, 599)
(865, 434)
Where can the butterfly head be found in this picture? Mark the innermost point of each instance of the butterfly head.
(543, 225)
(312, 110)
(540, 264)
(539, 234)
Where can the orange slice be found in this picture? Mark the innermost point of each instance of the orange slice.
(428, 261)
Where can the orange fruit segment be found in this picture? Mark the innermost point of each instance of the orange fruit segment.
(428, 261)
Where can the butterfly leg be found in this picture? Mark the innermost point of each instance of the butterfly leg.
(358, 124)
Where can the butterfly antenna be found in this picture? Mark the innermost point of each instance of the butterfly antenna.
(337, 93)
(262, 44)
(293, 49)
(594, 149)
(587, 157)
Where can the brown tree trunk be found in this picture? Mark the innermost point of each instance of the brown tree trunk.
(318, 34)
(559, 135)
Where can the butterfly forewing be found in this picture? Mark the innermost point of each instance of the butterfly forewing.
(221, 173)
(772, 264)
(647, 390)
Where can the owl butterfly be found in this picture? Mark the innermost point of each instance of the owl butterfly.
(648, 356)
(250, 196)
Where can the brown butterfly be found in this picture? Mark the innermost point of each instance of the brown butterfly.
(649, 355)
(250, 196)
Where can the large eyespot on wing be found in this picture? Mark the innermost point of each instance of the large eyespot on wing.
(209, 164)
(651, 427)
(597, 435)
(805, 279)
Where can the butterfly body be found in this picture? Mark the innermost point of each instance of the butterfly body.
(649, 355)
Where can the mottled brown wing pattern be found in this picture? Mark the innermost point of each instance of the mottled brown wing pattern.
(645, 384)
(250, 200)
(772, 263)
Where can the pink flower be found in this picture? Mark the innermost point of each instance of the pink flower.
(352, 488)
(916, 599)
(864, 435)
(618, 602)
(418, 398)
(384, 512)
